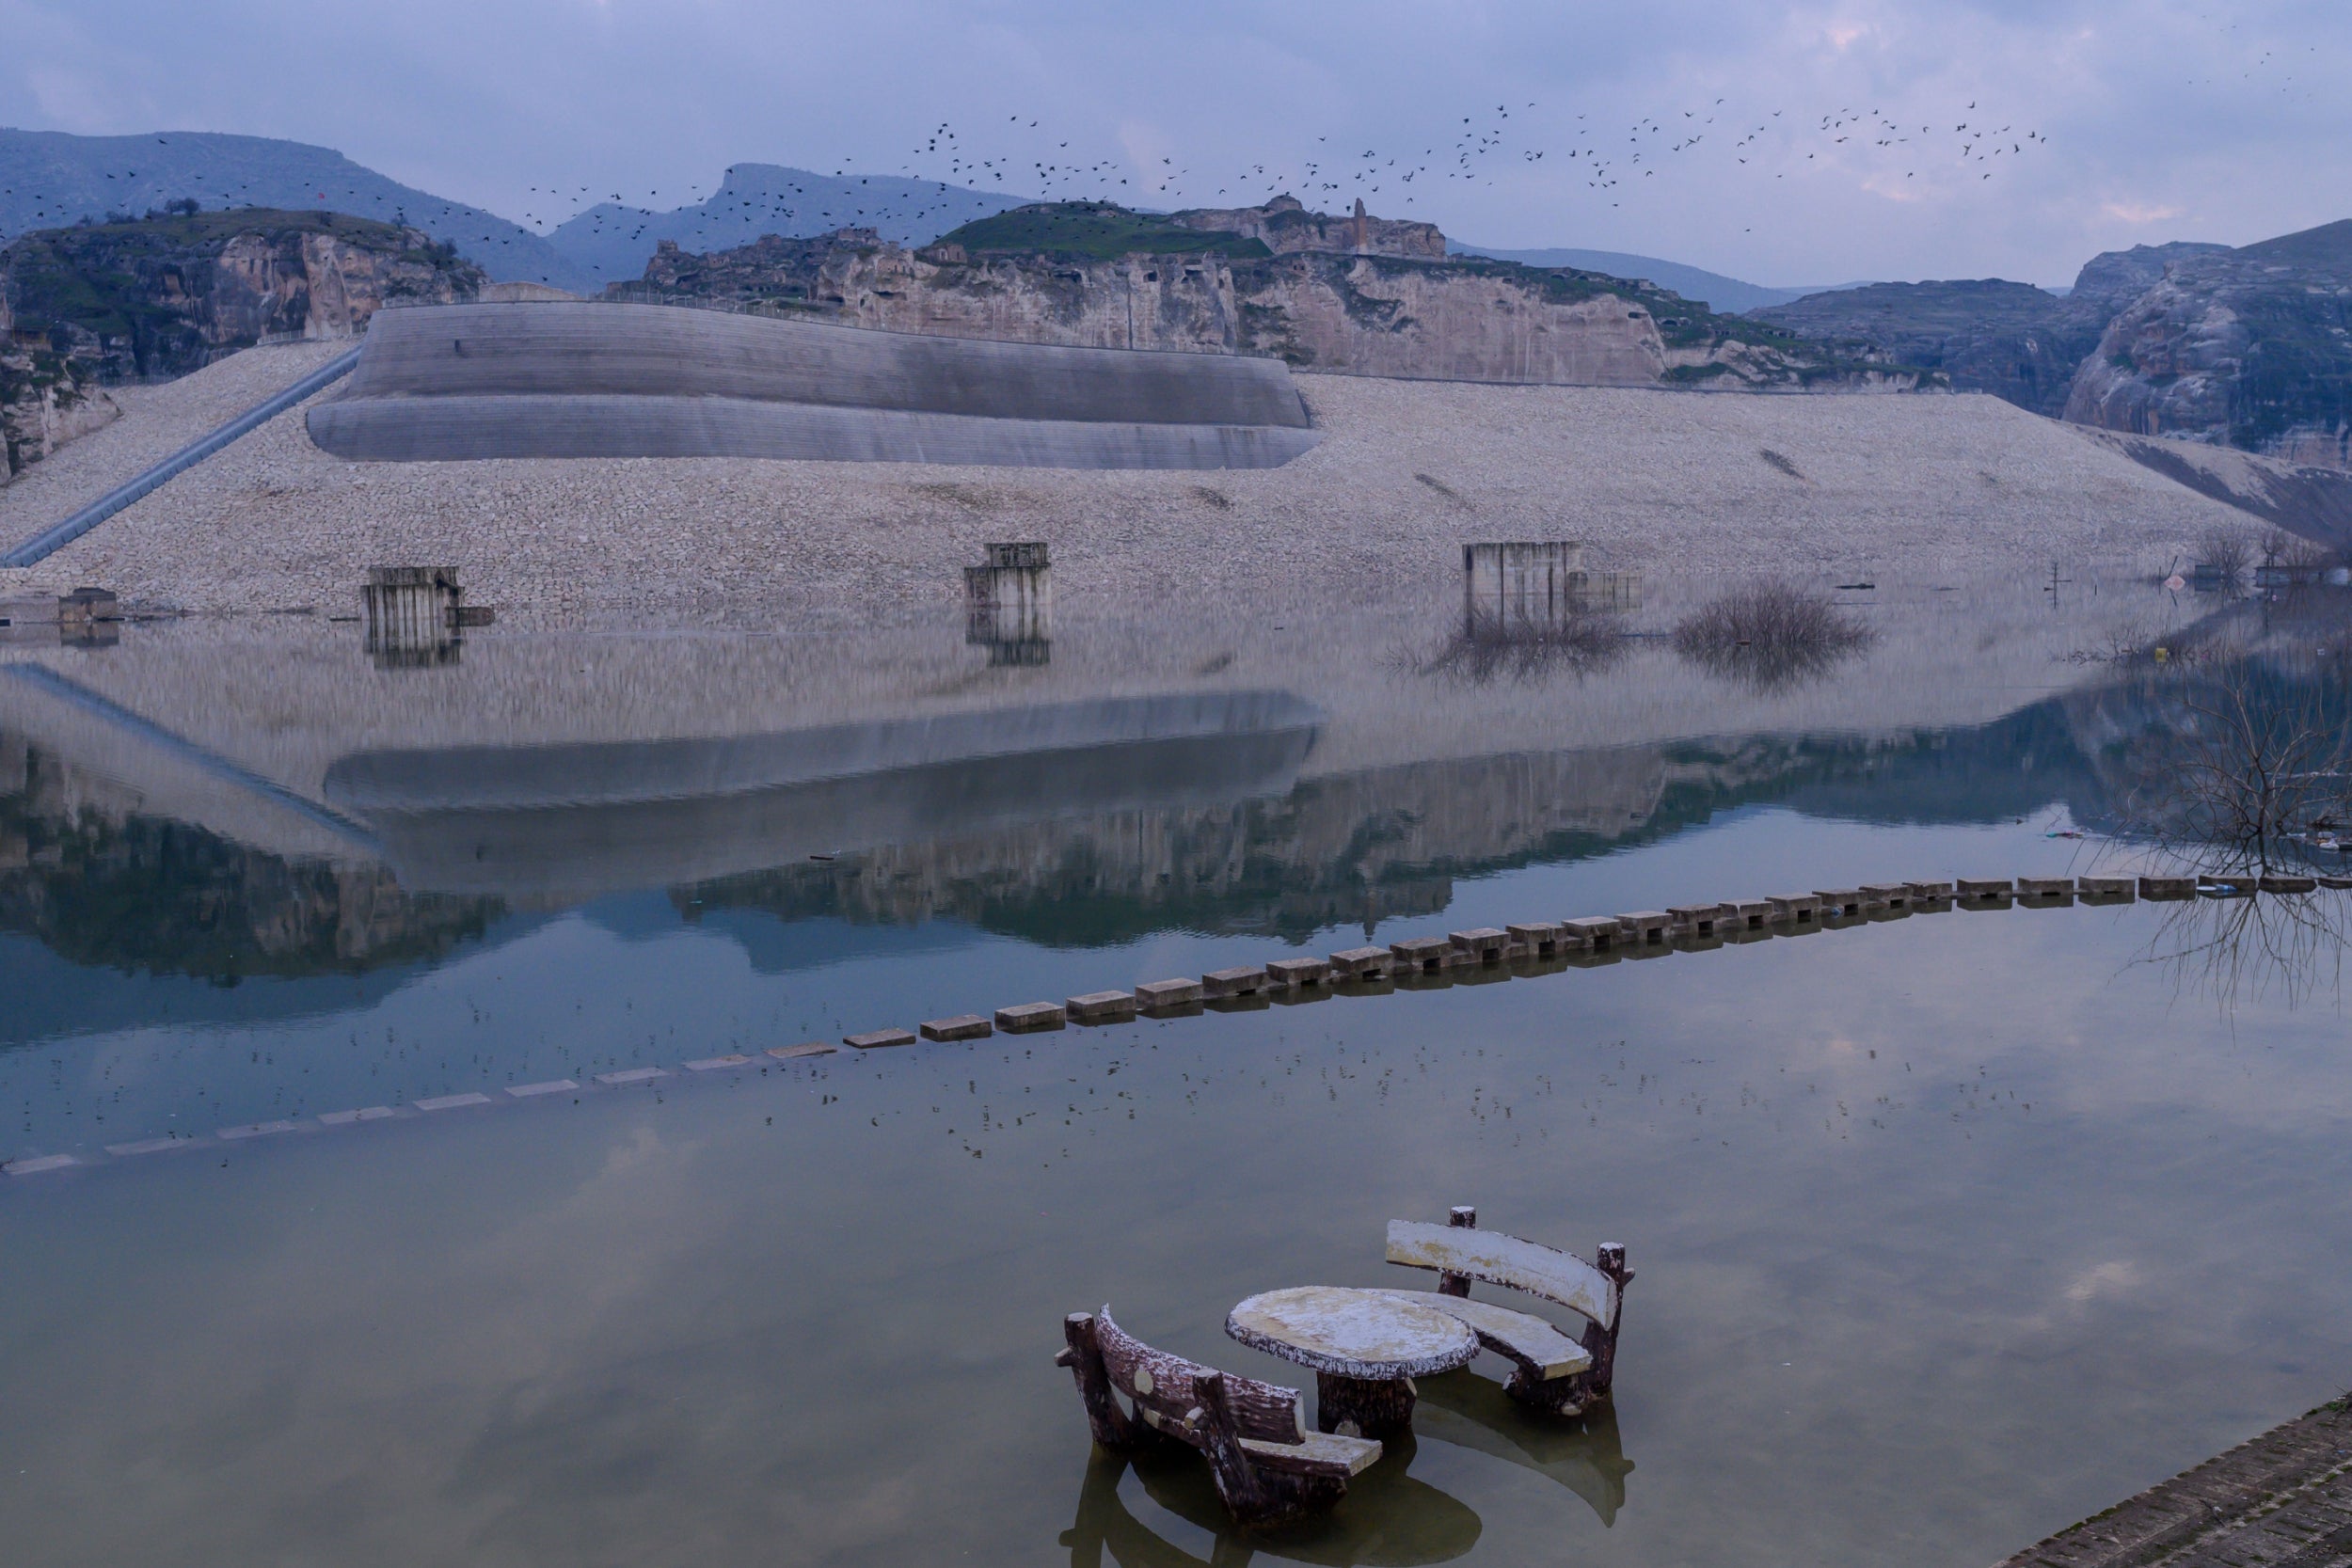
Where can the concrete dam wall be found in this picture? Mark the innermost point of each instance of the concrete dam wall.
(609, 380)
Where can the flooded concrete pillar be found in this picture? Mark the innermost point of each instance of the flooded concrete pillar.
(1008, 606)
(413, 613)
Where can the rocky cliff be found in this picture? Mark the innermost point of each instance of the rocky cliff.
(2249, 348)
(86, 308)
(2018, 343)
(1463, 318)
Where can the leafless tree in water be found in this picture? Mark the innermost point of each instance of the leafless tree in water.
(1770, 634)
(2253, 766)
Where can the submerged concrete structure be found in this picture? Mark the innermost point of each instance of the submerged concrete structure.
(609, 380)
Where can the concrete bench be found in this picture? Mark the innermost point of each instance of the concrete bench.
(1268, 1467)
(1552, 1370)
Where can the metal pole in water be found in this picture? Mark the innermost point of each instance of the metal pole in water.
(44, 544)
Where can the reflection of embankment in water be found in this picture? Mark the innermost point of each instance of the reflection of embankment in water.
(1295, 857)
(564, 822)
(99, 882)
(1388, 1519)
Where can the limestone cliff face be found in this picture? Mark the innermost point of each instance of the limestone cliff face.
(1466, 319)
(81, 309)
(2249, 348)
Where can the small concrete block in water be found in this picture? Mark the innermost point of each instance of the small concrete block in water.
(1928, 890)
(1701, 918)
(1422, 955)
(1644, 928)
(2168, 887)
(1297, 973)
(1242, 980)
(35, 1164)
(794, 1053)
(875, 1039)
(1103, 1006)
(1895, 896)
(631, 1075)
(1796, 908)
(365, 1112)
(719, 1064)
(2275, 883)
(149, 1146)
(1168, 994)
(532, 1091)
(1755, 913)
(1986, 887)
(1839, 900)
(1026, 1017)
(1591, 930)
(964, 1026)
(450, 1101)
(255, 1130)
(2045, 887)
(2106, 889)
(1540, 938)
(1484, 944)
(1362, 963)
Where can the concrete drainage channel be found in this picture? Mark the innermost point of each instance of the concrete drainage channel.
(1485, 955)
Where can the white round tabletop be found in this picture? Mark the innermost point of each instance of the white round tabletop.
(1372, 1335)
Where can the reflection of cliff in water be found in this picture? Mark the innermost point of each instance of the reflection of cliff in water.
(100, 882)
(1364, 847)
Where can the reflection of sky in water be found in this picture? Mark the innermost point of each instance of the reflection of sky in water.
(1948, 1231)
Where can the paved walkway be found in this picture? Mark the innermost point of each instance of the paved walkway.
(2282, 1500)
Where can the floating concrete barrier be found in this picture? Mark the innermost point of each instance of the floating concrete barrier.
(599, 380)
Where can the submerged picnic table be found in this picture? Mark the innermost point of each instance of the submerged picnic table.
(1365, 1346)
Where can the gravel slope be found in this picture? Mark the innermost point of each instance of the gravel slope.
(1902, 485)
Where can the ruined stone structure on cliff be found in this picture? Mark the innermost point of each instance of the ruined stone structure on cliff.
(1285, 227)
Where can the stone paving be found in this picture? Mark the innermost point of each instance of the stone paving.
(2282, 1500)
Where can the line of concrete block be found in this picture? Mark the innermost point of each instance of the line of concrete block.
(1480, 953)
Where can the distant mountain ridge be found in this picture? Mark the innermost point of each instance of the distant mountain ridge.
(51, 180)
(609, 242)
(1730, 296)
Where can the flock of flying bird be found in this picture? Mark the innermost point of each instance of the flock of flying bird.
(932, 187)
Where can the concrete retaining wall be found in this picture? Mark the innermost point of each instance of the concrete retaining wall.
(599, 380)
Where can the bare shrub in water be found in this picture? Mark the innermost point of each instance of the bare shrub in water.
(2224, 552)
(1772, 635)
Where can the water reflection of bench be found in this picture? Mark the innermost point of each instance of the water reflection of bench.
(1390, 1518)
(1267, 1466)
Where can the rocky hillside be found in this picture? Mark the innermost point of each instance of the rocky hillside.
(50, 180)
(87, 307)
(1988, 335)
(2249, 348)
(1096, 276)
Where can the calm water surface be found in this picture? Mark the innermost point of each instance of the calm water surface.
(1950, 1230)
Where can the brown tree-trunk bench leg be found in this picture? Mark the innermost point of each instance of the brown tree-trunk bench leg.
(1358, 1408)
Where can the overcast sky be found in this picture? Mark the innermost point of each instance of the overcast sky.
(2116, 121)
